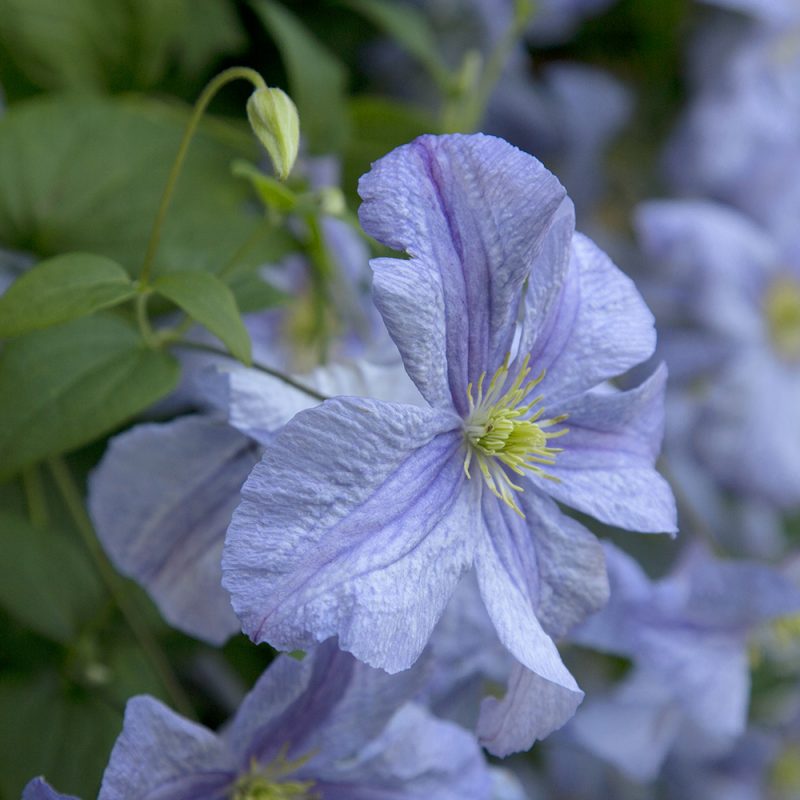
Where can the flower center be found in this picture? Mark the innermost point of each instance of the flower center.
(503, 430)
(264, 782)
(782, 305)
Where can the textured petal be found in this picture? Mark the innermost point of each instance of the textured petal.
(161, 501)
(328, 705)
(417, 756)
(606, 468)
(507, 567)
(161, 756)
(258, 404)
(531, 709)
(572, 573)
(599, 329)
(471, 211)
(465, 655)
(356, 523)
(40, 789)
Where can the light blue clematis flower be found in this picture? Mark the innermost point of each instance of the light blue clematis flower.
(687, 636)
(729, 305)
(327, 728)
(363, 515)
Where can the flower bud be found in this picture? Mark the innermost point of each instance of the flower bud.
(273, 117)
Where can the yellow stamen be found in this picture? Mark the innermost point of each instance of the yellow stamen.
(265, 782)
(501, 435)
(782, 307)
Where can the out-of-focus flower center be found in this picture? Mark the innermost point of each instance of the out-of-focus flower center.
(266, 782)
(503, 431)
(782, 305)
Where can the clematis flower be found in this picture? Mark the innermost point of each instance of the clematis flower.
(326, 728)
(363, 515)
(687, 636)
(730, 309)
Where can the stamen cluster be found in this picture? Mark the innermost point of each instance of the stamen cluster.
(783, 315)
(265, 782)
(500, 433)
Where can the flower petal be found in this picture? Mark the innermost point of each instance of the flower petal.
(357, 523)
(328, 705)
(532, 708)
(599, 328)
(159, 753)
(633, 728)
(416, 756)
(471, 211)
(572, 573)
(40, 789)
(258, 404)
(161, 500)
(606, 468)
(507, 566)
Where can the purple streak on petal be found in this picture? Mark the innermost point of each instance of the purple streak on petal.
(600, 328)
(328, 705)
(606, 468)
(161, 756)
(161, 500)
(471, 211)
(356, 523)
(532, 708)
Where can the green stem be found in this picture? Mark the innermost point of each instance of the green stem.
(225, 77)
(74, 502)
(142, 318)
(208, 348)
(34, 495)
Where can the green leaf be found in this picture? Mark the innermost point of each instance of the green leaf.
(254, 294)
(316, 78)
(65, 386)
(46, 580)
(86, 174)
(208, 300)
(408, 27)
(99, 45)
(50, 728)
(60, 289)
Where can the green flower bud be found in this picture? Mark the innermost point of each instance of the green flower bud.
(273, 117)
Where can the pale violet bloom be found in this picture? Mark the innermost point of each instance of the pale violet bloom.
(326, 727)
(728, 301)
(363, 515)
(687, 636)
